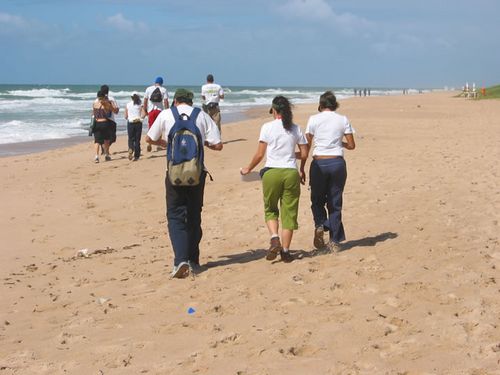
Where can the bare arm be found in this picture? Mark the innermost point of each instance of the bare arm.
(165, 103)
(304, 152)
(350, 144)
(160, 142)
(145, 106)
(257, 158)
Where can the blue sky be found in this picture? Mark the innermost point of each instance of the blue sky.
(377, 43)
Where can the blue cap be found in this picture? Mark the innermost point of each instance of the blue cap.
(159, 80)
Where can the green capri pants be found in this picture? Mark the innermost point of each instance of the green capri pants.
(282, 185)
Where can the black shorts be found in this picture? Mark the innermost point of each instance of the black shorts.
(103, 132)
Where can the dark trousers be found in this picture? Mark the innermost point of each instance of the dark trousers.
(184, 204)
(327, 178)
(134, 130)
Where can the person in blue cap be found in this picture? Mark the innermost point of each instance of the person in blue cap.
(155, 101)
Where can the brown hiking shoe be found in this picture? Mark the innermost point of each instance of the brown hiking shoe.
(286, 256)
(274, 249)
(319, 241)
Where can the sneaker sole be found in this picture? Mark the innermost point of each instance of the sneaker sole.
(182, 272)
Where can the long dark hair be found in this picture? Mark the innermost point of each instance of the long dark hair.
(284, 108)
(136, 99)
(328, 101)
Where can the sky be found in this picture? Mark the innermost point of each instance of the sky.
(338, 43)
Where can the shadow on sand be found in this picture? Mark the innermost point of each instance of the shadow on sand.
(240, 258)
(367, 241)
(253, 255)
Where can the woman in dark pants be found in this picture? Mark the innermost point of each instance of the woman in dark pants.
(134, 116)
(330, 133)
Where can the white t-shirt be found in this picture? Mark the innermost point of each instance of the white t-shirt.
(212, 92)
(152, 105)
(281, 144)
(134, 111)
(328, 129)
(165, 120)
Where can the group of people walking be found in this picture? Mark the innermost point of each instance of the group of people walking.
(329, 133)
(281, 143)
(154, 102)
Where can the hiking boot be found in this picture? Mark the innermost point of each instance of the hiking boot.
(96, 159)
(130, 154)
(274, 249)
(286, 256)
(319, 241)
(107, 158)
(149, 148)
(181, 271)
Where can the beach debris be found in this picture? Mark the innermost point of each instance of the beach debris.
(102, 300)
(83, 253)
(298, 279)
(191, 311)
(86, 253)
(496, 348)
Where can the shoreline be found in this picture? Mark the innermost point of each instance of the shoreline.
(34, 147)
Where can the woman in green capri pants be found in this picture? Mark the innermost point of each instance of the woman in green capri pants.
(280, 178)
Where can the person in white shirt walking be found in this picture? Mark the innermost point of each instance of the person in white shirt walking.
(280, 178)
(184, 203)
(212, 93)
(134, 114)
(327, 130)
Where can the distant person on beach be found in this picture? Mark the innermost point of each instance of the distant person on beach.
(134, 114)
(102, 109)
(155, 101)
(184, 203)
(328, 173)
(280, 178)
(212, 93)
(116, 109)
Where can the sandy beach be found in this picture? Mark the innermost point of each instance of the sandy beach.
(414, 291)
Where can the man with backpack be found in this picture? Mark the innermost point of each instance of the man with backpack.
(155, 101)
(184, 131)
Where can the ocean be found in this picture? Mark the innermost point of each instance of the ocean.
(30, 113)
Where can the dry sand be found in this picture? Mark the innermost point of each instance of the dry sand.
(415, 291)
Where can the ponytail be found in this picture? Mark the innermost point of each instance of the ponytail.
(284, 108)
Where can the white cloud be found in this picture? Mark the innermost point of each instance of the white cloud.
(119, 22)
(320, 10)
(11, 21)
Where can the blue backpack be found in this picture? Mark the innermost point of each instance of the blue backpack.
(184, 150)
